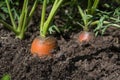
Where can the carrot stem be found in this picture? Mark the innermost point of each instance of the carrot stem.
(8, 26)
(94, 7)
(10, 13)
(20, 23)
(23, 21)
(43, 17)
(23, 26)
(53, 11)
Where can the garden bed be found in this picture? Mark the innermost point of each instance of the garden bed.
(97, 60)
(72, 59)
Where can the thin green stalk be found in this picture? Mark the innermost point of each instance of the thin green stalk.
(105, 22)
(97, 21)
(8, 26)
(20, 23)
(83, 15)
(10, 13)
(32, 11)
(89, 6)
(116, 25)
(53, 11)
(23, 26)
(56, 1)
(43, 17)
(94, 7)
(33, 8)
(80, 24)
(25, 19)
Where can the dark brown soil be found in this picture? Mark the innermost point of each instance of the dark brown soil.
(97, 60)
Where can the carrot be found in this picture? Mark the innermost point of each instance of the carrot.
(43, 46)
(87, 18)
(85, 36)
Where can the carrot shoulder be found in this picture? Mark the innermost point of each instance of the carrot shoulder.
(43, 46)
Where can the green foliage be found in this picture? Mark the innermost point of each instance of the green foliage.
(6, 77)
(4, 10)
(18, 24)
(52, 29)
(84, 13)
(87, 14)
(107, 19)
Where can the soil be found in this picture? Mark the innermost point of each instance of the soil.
(98, 59)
